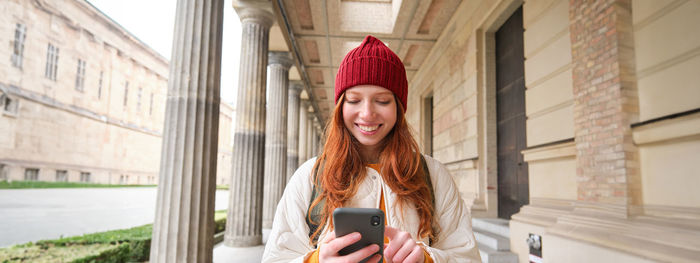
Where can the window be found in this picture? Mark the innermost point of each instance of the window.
(126, 93)
(8, 105)
(31, 174)
(99, 86)
(138, 100)
(61, 176)
(18, 49)
(123, 179)
(84, 177)
(51, 62)
(150, 106)
(80, 76)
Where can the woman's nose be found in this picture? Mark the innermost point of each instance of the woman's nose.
(366, 111)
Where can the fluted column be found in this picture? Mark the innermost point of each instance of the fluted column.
(303, 122)
(309, 134)
(276, 133)
(184, 223)
(293, 127)
(320, 138)
(314, 141)
(317, 141)
(244, 221)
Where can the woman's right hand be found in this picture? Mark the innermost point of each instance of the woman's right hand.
(330, 246)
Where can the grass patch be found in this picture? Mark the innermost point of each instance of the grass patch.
(38, 184)
(55, 254)
(123, 245)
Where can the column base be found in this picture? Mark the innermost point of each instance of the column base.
(224, 254)
(243, 241)
(267, 224)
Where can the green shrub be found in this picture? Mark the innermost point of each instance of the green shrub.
(123, 245)
(118, 254)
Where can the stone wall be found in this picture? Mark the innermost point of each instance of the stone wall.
(667, 52)
(612, 123)
(111, 127)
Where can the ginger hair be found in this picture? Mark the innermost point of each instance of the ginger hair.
(343, 169)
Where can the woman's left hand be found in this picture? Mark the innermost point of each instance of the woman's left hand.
(402, 247)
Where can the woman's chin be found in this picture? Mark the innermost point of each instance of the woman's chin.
(368, 142)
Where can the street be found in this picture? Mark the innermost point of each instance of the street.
(37, 214)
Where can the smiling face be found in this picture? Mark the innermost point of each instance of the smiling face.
(369, 113)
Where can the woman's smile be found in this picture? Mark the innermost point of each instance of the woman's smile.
(368, 129)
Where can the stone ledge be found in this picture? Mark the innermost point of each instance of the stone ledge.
(76, 110)
(665, 130)
(651, 240)
(663, 233)
(562, 150)
(543, 211)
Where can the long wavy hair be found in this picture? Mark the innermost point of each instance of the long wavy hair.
(343, 169)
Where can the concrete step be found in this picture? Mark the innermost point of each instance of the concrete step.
(491, 240)
(489, 255)
(494, 225)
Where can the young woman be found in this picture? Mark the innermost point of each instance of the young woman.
(371, 160)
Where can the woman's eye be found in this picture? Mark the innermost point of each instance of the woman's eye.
(385, 102)
(352, 101)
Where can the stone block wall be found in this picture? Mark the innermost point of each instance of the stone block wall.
(613, 123)
(110, 129)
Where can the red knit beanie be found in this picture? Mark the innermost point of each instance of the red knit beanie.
(372, 63)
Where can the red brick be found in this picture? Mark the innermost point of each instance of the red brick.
(602, 110)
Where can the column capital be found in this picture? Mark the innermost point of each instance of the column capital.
(295, 86)
(281, 58)
(251, 11)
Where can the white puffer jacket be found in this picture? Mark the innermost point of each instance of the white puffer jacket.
(289, 239)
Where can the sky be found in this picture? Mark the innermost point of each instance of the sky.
(152, 21)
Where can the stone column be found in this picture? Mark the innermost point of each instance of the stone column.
(605, 105)
(244, 221)
(184, 223)
(293, 128)
(317, 138)
(309, 134)
(276, 134)
(314, 139)
(303, 122)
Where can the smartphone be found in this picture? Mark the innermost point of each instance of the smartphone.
(369, 222)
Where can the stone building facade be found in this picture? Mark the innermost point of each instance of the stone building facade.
(605, 169)
(83, 100)
(572, 120)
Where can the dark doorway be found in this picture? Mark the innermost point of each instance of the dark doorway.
(513, 190)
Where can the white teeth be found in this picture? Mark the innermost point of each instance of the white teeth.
(368, 128)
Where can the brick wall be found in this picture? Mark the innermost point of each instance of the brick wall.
(605, 102)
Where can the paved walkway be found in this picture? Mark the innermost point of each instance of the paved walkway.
(36, 214)
(224, 254)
